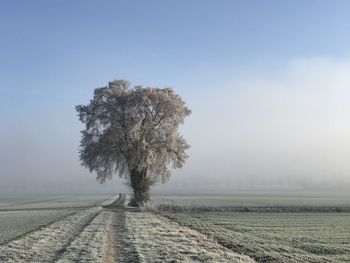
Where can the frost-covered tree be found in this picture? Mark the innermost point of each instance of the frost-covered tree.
(133, 132)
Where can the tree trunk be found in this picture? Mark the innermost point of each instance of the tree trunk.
(140, 185)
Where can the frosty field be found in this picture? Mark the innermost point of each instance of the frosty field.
(81, 230)
(29, 202)
(22, 214)
(276, 237)
(17, 223)
(269, 228)
(185, 229)
(258, 202)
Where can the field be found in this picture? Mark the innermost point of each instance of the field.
(78, 229)
(268, 228)
(276, 237)
(36, 202)
(255, 202)
(23, 214)
(237, 228)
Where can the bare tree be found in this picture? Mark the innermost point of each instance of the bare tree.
(133, 132)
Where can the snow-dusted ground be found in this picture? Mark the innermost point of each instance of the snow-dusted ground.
(17, 223)
(51, 202)
(20, 215)
(124, 247)
(157, 239)
(98, 234)
(49, 243)
(91, 245)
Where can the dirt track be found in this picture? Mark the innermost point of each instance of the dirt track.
(114, 233)
(85, 236)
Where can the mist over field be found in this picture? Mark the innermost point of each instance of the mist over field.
(286, 128)
(267, 83)
(224, 127)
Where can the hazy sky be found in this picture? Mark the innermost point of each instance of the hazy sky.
(268, 83)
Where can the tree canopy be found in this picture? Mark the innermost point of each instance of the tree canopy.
(133, 132)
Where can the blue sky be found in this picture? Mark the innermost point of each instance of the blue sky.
(140, 39)
(160, 41)
(54, 53)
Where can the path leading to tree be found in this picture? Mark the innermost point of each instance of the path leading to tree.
(115, 233)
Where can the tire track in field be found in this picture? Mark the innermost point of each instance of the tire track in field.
(124, 248)
(81, 228)
(91, 244)
(47, 244)
(37, 228)
(120, 248)
(80, 237)
(104, 240)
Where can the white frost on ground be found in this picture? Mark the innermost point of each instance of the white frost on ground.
(17, 223)
(157, 239)
(97, 235)
(54, 201)
(123, 246)
(48, 243)
(92, 243)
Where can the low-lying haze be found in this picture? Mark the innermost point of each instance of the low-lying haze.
(267, 81)
(285, 129)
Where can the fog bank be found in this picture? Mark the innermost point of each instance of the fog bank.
(288, 128)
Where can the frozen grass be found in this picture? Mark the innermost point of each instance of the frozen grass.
(92, 243)
(48, 243)
(95, 235)
(253, 203)
(157, 239)
(123, 240)
(50, 201)
(22, 214)
(57, 235)
(277, 237)
(17, 223)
